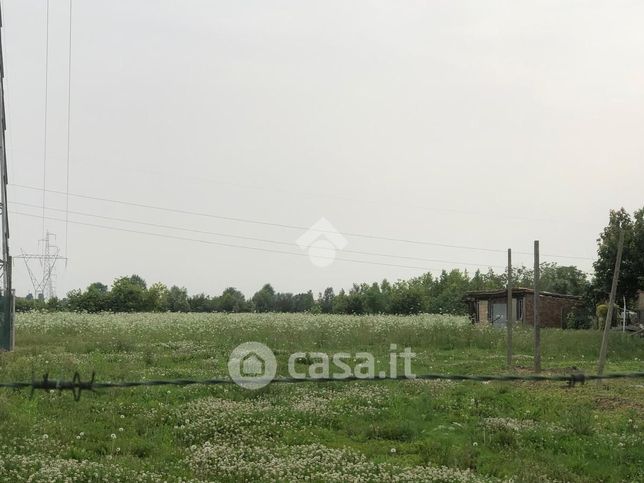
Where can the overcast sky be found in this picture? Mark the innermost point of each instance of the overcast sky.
(479, 124)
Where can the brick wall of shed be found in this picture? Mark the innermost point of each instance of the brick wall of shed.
(553, 310)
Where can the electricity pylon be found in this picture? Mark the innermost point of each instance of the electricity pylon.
(43, 283)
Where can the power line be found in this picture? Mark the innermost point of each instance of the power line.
(287, 226)
(69, 108)
(109, 162)
(46, 109)
(242, 237)
(229, 245)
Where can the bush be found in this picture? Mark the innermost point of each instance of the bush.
(579, 318)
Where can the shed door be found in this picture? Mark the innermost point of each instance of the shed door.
(499, 314)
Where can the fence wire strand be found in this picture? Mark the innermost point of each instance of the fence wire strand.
(77, 385)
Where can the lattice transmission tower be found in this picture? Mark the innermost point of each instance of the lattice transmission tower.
(43, 277)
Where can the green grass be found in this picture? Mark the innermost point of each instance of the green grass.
(409, 430)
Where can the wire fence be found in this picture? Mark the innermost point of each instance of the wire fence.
(77, 385)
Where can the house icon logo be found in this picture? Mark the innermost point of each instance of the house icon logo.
(252, 365)
(322, 241)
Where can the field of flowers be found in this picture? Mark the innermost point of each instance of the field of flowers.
(343, 431)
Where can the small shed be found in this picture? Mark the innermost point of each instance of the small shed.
(490, 306)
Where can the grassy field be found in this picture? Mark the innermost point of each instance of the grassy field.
(347, 431)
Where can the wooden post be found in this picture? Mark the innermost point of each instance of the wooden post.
(536, 321)
(611, 304)
(624, 316)
(510, 312)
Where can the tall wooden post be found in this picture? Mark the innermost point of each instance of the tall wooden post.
(536, 321)
(611, 304)
(510, 312)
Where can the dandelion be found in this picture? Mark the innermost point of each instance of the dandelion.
(113, 436)
(120, 430)
(475, 443)
(45, 436)
(122, 416)
(393, 450)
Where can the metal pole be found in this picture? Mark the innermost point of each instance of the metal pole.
(510, 312)
(611, 304)
(536, 321)
(6, 328)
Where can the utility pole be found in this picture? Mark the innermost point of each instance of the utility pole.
(7, 298)
(611, 304)
(535, 318)
(510, 312)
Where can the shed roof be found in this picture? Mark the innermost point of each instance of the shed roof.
(488, 294)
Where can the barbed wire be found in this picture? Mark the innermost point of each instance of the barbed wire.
(77, 386)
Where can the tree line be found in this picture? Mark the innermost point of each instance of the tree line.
(424, 294)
